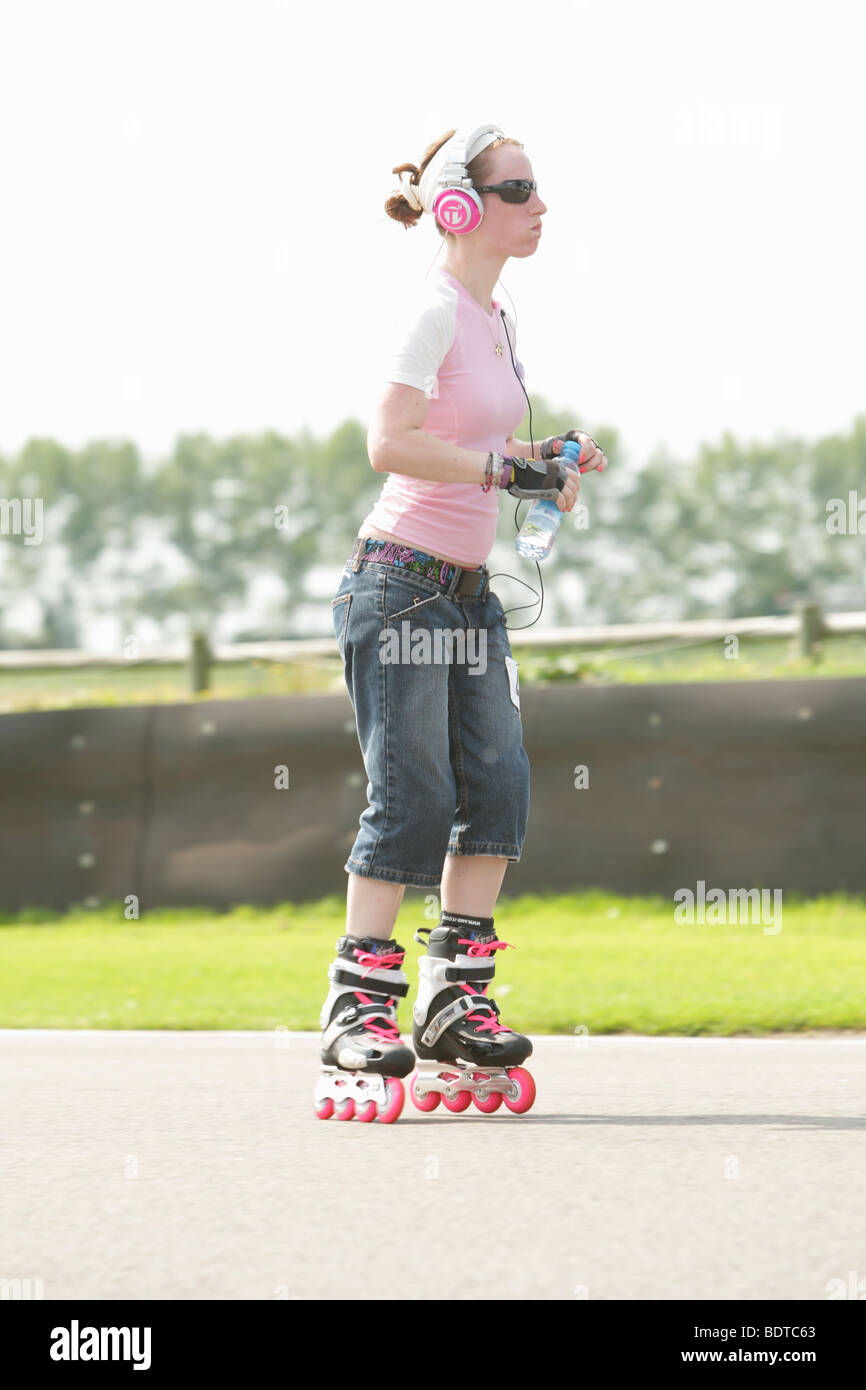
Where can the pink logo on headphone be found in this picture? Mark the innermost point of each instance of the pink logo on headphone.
(455, 211)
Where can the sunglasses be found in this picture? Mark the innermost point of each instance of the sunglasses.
(511, 191)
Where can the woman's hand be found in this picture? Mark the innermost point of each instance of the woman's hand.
(557, 479)
(591, 455)
(570, 488)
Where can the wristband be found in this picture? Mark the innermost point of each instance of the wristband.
(488, 474)
(492, 471)
(498, 471)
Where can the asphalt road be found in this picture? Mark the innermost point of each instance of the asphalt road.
(190, 1165)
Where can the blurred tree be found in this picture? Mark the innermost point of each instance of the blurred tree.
(741, 529)
(90, 504)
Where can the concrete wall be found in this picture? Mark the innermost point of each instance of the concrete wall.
(759, 784)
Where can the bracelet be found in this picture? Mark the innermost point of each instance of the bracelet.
(498, 470)
(489, 469)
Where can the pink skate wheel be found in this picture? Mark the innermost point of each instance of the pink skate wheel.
(389, 1112)
(344, 1109)
(461, 1101)
(366, 1113)
(324, 1108)
(522, 1079)
(493, 1101)
(430, 1100)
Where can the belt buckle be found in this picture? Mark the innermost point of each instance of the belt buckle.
(470, 583)
(450, 589)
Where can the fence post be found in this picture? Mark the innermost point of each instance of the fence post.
(811, 629)
(200, 658)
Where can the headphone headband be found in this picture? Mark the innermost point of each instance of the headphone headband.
(463, 149)
(446, 188)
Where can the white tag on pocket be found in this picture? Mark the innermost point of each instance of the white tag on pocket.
(514, 689)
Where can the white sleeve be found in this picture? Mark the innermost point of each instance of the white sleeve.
(423, 334)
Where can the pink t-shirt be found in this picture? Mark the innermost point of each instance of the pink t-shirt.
(447, 349)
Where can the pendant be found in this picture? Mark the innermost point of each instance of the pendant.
(499, 349)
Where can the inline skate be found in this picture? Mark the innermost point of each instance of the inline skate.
(361, 1050)
(464, 1054)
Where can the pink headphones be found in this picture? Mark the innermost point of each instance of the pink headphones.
(457, 207)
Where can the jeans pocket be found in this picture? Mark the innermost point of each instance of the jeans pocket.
(406, 597)
(340, 616)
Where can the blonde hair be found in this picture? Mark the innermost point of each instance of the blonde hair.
(479, 169)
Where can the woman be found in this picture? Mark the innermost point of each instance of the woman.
(448, 777)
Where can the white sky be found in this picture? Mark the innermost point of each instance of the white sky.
(193, 235)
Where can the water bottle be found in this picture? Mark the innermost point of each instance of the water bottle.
(536, 536)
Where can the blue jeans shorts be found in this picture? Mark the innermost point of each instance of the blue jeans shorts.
(434, 688)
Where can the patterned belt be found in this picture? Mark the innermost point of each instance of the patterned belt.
(456, 581)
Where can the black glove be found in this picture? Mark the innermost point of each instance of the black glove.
(572, 435)
(529, 478)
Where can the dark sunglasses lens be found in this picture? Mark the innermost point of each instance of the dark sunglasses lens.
(517, 193)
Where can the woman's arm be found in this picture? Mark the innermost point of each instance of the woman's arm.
(420, 455)
(519, 449)
(396, 443)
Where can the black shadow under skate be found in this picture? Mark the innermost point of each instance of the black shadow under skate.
(464, 1053)
(363, 1056)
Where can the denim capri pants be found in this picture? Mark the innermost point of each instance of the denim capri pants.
(437, 709)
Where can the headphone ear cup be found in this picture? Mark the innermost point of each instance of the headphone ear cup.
(458, 209)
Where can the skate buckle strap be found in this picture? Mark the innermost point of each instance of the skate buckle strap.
(447, 1015)
(459, 973)
(469, 972)
(397, 986)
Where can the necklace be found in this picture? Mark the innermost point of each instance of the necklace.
(498, 348)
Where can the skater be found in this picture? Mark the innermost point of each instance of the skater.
(428, 663)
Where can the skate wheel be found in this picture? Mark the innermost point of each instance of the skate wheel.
(493, 1101)
(460, 1102)
(344, 1109)
(521, 1078)
(389, 1112)
(324, 1108)
(428, 1102)
(366, 1113)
